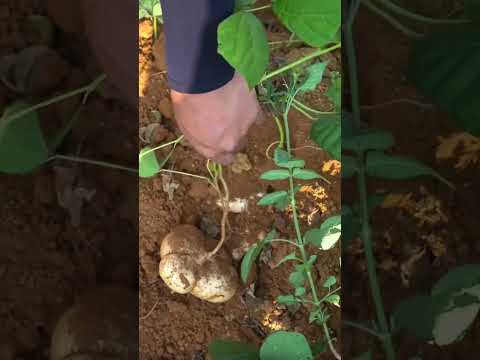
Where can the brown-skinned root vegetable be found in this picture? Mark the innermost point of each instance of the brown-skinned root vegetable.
(101, 326)
(185, 266)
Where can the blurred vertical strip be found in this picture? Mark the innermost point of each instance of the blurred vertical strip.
(68, 179)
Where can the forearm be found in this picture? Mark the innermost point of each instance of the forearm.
(194, 65)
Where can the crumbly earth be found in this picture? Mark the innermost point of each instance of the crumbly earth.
(180, 327)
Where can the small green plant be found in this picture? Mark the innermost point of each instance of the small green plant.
(21, 135)
(443, 315)
(306, 292)
(243, 42)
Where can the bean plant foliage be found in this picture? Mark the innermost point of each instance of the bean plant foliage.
(242, 41)
(444, 67)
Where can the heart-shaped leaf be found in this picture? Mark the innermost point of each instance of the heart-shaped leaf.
(314, 76)
(327, 133)
(395, 167)
(242, 41)
(315, 22)
(284, 345)
(252, 255)
(444, 66)
(22, 144)
(327, 235)
(148, 163)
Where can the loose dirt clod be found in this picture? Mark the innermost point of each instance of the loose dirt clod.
(185, 268)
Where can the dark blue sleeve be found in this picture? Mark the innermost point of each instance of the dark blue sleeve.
(190, 26)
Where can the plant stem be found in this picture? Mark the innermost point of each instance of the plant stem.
(303, 112)
(185, 174)
(363, 328)
(362, 188)
(394, 22)
(225, 199)
(371, 263)
(281, 142)
(300, 242)
(87, 89)
(308, 108)
(413, 16)
(288, 42)
(330, 343)
(352, 72)
(311, 56)
(259, 8)
(174, 143)
(57, 141)
(93, 162)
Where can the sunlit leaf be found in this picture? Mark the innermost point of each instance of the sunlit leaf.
(242, 41)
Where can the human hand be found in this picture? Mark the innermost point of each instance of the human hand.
(216, 123)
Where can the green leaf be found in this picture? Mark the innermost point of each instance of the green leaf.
(349, 166)
(297, 279)
(327, 235)
(283, 345)
(416, 315)
(148, 163)
(451, 325)
(334, 92)
(395, 167)
(327, 133)
(157, 10)
(149, 8)
(330, 282)
(252, 255)
(320, 347)
(272, 175)
(304, 174)
(287, 300)
(22, 144)
(313, 21)
(333, 299)
(458, 279)
(444, 67)
(273, 198)
(300, 291)
(314, 76)
(243, 4)
(242, 41)
(289, 257)
(369, 139)
(283, 159)
(472, 9)
(232, 350)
